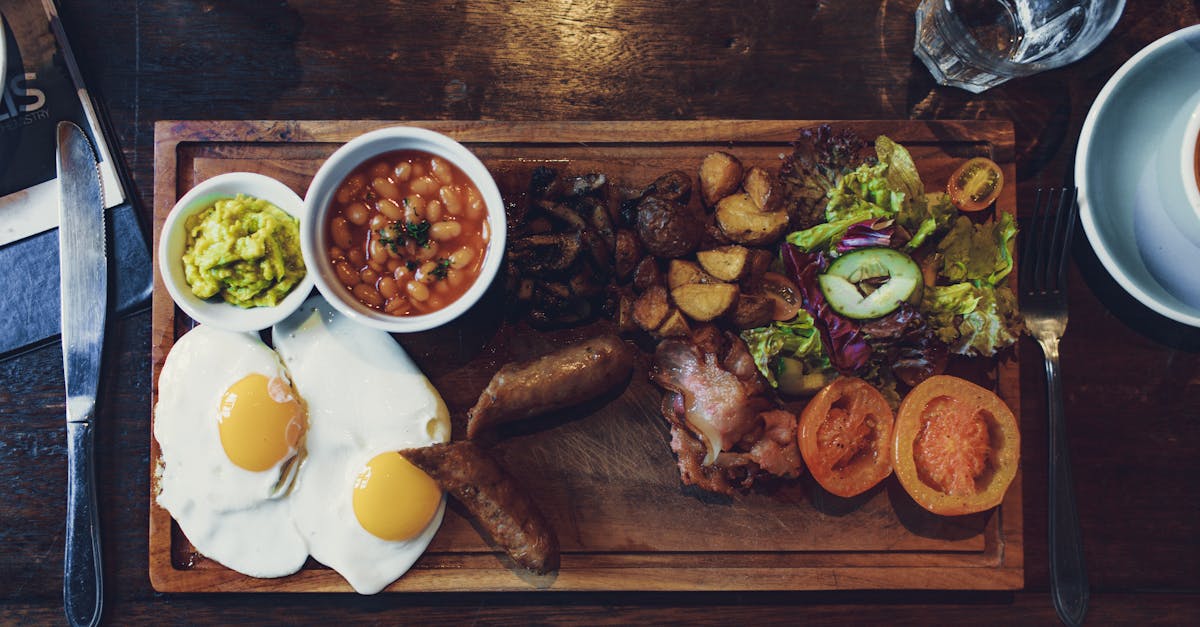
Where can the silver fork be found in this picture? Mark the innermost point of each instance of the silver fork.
(1043, 278)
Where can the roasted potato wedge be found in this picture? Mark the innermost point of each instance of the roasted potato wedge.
(681, 272)
(720, 174)
(728, 263)
(752, 310)
(741, 220)
(625, 321)
(627, 254)
(758, 262)
(762, 188)
(647, 274)
(652, 308)
(705, 301)
(676, 325)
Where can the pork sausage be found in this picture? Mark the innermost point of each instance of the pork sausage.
(565, 377)
(473, 478)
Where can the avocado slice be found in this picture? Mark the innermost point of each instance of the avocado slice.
(871, 282)
(794, 380)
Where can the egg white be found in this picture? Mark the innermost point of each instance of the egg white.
(365, 396)
(228, 513)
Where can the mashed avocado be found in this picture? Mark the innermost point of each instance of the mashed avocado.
(245, 249)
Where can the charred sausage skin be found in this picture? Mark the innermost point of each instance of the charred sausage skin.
(568, 376)
(472, 477)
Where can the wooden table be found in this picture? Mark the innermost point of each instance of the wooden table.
(1132, 378)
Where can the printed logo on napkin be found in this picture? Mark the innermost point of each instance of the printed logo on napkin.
(38, 92)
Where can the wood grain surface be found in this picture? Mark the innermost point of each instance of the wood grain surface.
(1131, 377)
(606, 479)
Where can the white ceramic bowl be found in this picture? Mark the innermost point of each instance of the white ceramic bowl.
(215, 311)
(1132, 201)
(314, 238)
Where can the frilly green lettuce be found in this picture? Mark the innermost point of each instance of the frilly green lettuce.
(796, 338)
(866, 189)
(825, 236)
(972, 320)
(925, 218)
(979, 253)
(889, 188)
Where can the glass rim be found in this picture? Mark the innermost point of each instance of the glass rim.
(957, 37)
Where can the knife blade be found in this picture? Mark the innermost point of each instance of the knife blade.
(84, 283)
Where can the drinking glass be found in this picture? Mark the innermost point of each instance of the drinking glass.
(978, 44)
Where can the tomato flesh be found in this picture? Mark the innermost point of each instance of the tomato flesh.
(975, 184)
(956, 446)
(845, 437)
(784, 295)
(951, 450)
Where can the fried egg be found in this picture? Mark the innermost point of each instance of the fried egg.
(230, 428)
(361, 508)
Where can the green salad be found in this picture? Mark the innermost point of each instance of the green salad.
(884, 317)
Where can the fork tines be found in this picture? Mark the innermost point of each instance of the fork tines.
(1048, 241)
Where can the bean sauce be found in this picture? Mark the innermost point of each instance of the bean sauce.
(408, 233)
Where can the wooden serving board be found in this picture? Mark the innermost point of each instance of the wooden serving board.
(605, 476)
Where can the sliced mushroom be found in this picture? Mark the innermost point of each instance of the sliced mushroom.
(545, 252)
(674, 185)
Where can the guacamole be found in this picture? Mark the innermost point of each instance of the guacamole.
(245, 249)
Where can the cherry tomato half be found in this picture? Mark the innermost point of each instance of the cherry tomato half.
(975, 185)
(956, 446)
(783, 294)
(846, 435)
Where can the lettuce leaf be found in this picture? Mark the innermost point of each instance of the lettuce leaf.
(820, 158)
(901, 173)
(972, 320)
(848, 350)
(889, 188)
(797, 338)
(866, 189)
(866, 234)
(825, 237)
(979, 253)
(923, 219)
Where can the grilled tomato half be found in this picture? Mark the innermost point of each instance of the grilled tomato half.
(846, 435)
(956, 446)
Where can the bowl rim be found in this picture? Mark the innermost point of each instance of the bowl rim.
(353, 154)
(217, 312)
(1091, 228)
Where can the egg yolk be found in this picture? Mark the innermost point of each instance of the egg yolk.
(260, 421)
(393, 499)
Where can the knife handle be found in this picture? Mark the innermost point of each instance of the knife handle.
(83, 588)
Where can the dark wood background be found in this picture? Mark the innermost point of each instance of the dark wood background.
(1132, 378)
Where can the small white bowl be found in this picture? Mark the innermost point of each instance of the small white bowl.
(215, 311)
(314, 239)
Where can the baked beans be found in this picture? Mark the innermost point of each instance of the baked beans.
(405, 226)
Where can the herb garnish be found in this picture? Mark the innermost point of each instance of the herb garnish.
(418, 232)
(394, 237)
(443, 266)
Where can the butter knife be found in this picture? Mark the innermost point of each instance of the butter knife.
(84, 282)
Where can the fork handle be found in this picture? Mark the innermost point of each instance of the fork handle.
(1068, 573)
